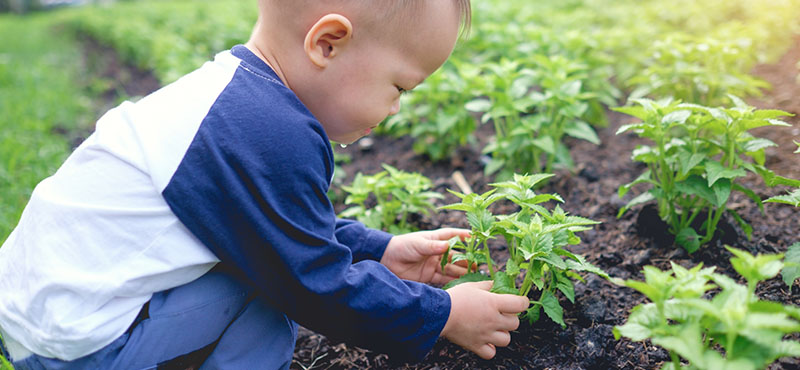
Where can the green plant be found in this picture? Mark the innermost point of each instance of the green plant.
(533, 107)
(397, 194)
(702, 70)
(698, 153)
(792, 198)
(733, 329)
(434, 113)
(335, 192)
(791, 265)
(4, 364)
(536, 237)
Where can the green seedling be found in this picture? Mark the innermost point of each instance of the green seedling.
(533, 107)
(696, 160)
(434, 112)
(732, 329)
(702, 70)
(791, 265)
(397, 194)
(537, 239)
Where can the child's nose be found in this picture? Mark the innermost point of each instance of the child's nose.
(395, 107)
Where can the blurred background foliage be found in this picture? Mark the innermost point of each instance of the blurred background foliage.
(537, 73)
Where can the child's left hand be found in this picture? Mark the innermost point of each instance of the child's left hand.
(417, 256)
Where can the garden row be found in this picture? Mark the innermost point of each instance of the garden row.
(542, 76)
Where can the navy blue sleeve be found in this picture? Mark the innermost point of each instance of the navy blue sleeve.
(364, 243)
(252, 187)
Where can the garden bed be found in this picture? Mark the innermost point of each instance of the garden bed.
(621, 247)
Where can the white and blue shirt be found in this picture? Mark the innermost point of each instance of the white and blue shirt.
(226, 164)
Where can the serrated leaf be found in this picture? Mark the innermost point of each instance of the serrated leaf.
(792, 198)
(642, 322)
(503, 283)
(466, 278)
(566, 287)
(553, 260)
(582, 130)
(722, 191)
(552, 308)
(696, 185)
(639, 199)
(716, 171)
(688, 344)
(791, 271)
(757, 144)
(678, 116)
(533, 312)
(688, 161)
(755, 268)
(688, 239)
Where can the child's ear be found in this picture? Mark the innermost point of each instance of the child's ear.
(326, 37)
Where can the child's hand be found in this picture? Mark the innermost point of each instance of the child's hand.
(417, 256)
(479, 320)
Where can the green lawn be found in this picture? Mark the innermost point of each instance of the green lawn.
(41, 96)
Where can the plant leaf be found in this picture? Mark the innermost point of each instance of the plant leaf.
(715, 171)
(467, 278)
(552, 308)
(642, 322)
(792, 199)
(582, 130)
(791, 270)
(503, 284)
(688, 239)
(478, 105)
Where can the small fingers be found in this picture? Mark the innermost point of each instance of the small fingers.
(509, 322)
(486, 351)
(448, 232)
(454, 270)
(500, 339)
(512, 303)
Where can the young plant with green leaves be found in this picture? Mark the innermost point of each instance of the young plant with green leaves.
(537, 239)
(533, 107)
(703, 70)
(733, 329)
(397, 194)
(791, 265)
(434, 112)
(696, 160)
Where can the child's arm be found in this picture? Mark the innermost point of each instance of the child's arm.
(364, 243)
(254, 192)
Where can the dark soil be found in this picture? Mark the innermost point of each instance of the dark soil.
(621, 246)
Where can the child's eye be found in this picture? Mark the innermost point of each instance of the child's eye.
(401, 90)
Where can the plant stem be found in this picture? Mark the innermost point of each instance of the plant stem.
(676, 361)
(488, 258)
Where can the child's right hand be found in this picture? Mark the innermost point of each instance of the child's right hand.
(479, 320)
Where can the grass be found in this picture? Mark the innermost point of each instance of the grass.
(40, 99)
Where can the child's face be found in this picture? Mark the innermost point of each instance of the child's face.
(362, 85)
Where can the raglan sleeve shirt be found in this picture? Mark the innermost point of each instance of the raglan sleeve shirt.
(252, 187)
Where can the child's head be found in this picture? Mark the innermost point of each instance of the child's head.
(350, 60)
